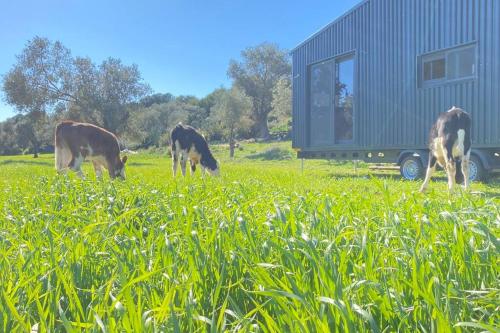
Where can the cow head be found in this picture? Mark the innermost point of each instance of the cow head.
(120, 168)
(211, 165)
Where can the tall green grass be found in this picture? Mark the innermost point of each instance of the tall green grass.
(264, 248)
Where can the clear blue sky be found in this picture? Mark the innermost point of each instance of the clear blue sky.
(180, 46)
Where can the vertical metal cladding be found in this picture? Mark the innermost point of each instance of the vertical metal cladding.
(392, 109)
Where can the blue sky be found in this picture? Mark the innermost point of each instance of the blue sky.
(180, 46)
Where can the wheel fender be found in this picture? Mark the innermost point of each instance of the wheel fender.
(422, 154)
(482, 157)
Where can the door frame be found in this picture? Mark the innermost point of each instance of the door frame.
(350, 54)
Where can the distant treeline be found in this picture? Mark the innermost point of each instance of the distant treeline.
(48, 84)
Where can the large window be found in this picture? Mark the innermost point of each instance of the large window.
(332, 101)
(344, 100)
(449, 65)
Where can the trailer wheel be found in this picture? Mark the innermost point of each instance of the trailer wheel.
(411, 168)
(477, 172)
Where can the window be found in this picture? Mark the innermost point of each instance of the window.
(461, 63)
(434, 69)
(449, 65)
(344, 100)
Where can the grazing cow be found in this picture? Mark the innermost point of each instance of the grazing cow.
(450, 146)
(187, 143)
(76, 142)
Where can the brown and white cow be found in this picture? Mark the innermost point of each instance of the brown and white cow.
(75, 142)
(187, 143)
(450, 146)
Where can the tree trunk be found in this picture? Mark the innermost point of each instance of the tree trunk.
(34, 142)
(263, 130)
(35, 150)
(231, 150)
(231, 144)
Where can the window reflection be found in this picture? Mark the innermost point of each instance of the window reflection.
(321, 103)
(344, 99)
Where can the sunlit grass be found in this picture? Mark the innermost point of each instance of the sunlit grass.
(266, 247)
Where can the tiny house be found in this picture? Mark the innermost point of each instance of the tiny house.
(369, 85)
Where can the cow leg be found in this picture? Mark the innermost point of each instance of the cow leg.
(451, 170)
(63, 157)
(175, 161)
(97, 169)
(431, 168)
(203, 170)
(450, 166)
(465, 170)
(59, 158)
(183, 164)
(175, 157)
(76, 165)
(193, 167)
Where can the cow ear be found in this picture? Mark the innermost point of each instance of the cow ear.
(124, 159)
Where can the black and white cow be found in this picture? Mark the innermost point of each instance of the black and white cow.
(188, 143)
(450, 146)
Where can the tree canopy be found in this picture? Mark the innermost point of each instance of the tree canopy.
(48, 84)
(46, 75)
(230, 114)
(257, 74)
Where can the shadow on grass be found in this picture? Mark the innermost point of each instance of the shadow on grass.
(492, 182)
(139, 164)
(50, 162)
(364, 173)
(490, 195)
(7, 162)
(378, 175)
(272, 154)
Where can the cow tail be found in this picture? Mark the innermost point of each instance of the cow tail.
(173, 138)
(172, 148)
(58, 149)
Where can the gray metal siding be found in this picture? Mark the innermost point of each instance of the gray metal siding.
(388, 36)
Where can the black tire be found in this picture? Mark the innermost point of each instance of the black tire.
(411, 168)
(477, 172)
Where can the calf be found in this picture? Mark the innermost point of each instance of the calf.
(450, 146)
(76, 142)
(187, 143)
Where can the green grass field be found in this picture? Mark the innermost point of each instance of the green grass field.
(264, 248)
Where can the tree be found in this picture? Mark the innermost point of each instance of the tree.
(28, 130)
(46, 75)
(8, 137)
(206, 104)
(85, 83)
(118, 86)
(21, 132)
(211, 99)
(149, 126)
(40, 78)
(231, 114)
(262, 67)
(281, 114)
(156, 99)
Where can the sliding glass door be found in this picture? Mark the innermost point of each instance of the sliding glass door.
(321, 103)
(331, 102)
